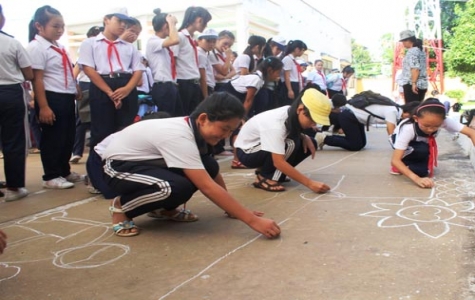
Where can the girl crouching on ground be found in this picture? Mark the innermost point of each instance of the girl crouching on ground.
(273, 141)
(160, 172)
(415, 149)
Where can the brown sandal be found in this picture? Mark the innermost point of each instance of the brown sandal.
(264, 184)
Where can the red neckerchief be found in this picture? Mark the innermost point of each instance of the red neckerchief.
(111, 47)
(66, 63)
(433, 152)
(299, 71)
(173, 63)
(192, 43)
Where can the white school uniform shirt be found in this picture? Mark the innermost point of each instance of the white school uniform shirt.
(205, 63)
(13, 57)
(173, 135)
(159, 60)
(405, 133)
(147, 81)
(265, 131)
(44, 58)
(242, 61)
(93, 53)
(390, 114)
(335, 81)
(290, 65)
(318, 78)
(186, 65)
(217, 58)
(243, 82)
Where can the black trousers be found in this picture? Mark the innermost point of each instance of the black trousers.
(355, 136)
(295, 87)
(13, 134)
(105, 118)
(145, 187)
(190, 95)
(166, 98)
(294, 155)
(57, 140)
(331, 93)
(409, 96)
(417, 161)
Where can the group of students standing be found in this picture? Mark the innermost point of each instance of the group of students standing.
(260, 101)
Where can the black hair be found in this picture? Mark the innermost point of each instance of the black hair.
(42, 17)
(418, 44)
(94, 31)
(194, 12)
(235, 54)
(156, 115)
(292, 124)
(432, 106)
(254, 40)
(133, 21)
(159, 19)
(315, 86)
(292, 45)
(317, 61)
(410, 107)
(269, 62)
(339, 100)
(226, 33)
(348, 70)
(220, 106)
(268, 48)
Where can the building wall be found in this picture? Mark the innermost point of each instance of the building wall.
(290, 19)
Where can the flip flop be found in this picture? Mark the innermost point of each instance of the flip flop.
(182, 215)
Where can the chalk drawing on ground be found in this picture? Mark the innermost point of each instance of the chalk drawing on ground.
(433, 217)
(67, 242)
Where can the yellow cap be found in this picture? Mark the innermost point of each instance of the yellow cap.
(319, 106)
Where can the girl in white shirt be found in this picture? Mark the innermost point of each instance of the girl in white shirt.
(292, 81)
(154, 173)
(317, 76)
(337, 83)
(15, 68)
(221, 59)
(247, 62)
(274, 142)
(188, 75)
(161, 60)
(415, 149)
(55, 91)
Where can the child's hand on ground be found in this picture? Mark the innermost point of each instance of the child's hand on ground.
(318, 187)
(266, 227)
(425, 182)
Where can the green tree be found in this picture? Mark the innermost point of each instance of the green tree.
(459, 58)
(448, 19)
(387, 47)
(362, 61)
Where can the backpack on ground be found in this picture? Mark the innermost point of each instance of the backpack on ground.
(367, 98)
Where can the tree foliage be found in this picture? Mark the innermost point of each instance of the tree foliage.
(362, 61)
(460, 57)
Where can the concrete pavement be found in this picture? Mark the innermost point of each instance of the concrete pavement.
(374, 236)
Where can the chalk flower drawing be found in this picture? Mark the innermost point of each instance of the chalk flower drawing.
(432, 218)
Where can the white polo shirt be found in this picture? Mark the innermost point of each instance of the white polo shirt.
(290, 65)
(44, 58)
(93, 53)
(243, 82)
(335, 81)
(265, 131)
(390, 114)
(186, 65)
(218, 58)
(159, 60)
(155, 139)
(405, 133)
(242, 61)
(13, 57)
(205, 63)
(318, 78)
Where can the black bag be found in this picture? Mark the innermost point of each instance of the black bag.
(467, 116)
(367, 98)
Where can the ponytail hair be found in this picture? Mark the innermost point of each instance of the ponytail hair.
(159, 19)
(418, 44)
(254, 40)
(42, 17)
(292, 45)
(292, 124)
(194, 12)
(271, 62)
